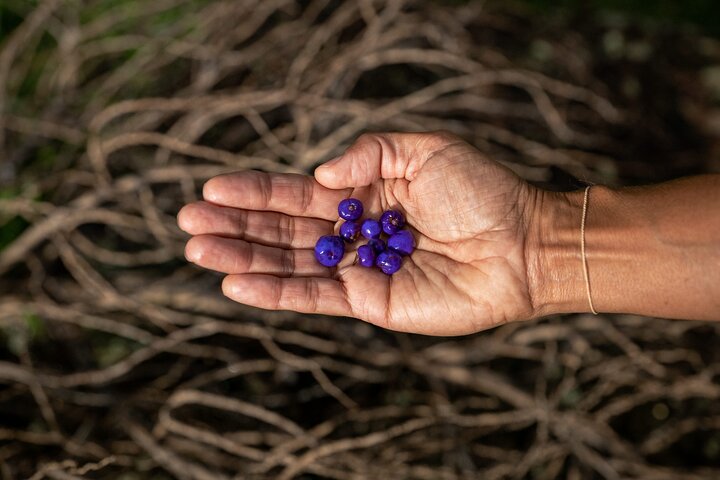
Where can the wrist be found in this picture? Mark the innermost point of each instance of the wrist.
(556, 282)
(649, 250)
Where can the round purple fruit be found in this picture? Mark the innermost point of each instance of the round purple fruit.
(402, 242)
(329, 250)
(392, 221)
(378, 245)
(366, 255)
(350, 231)
(389, 262)
(350, 209)
(371, 228)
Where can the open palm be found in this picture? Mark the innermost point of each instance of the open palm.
(466, 212)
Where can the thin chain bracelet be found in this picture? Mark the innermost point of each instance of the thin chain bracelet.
(582, 249)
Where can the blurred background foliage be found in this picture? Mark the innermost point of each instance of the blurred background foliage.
(700, 15)
(694, 16)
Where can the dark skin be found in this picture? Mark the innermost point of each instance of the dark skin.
(490, 247)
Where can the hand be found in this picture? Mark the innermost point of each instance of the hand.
(469, 216)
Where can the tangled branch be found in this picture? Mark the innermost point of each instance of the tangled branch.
(117, 355)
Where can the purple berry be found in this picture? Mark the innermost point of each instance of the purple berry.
(371, 228)
(350, 231)
(392, 221)
(329, 250)
(377, 245)
(402, 242)
(366, 255)
(389, 262)
(350, 209)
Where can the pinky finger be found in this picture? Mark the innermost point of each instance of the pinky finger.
(301, 294)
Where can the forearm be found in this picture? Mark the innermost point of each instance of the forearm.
(651, 250)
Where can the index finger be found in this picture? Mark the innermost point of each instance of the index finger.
(292, 194)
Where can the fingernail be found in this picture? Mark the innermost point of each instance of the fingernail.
(331, 162)
(208, 192)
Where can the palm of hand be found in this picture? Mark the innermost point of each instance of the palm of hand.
(467, 273)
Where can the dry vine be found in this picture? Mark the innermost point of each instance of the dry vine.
(118, 356)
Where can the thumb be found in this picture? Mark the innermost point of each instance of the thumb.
(376, 156)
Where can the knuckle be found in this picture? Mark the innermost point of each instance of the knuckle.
(243, 259)
(265, 187)
(306, 194)
(377, 144)
(312, 292)
(287, 263)
(241, 220)
(285, 231)
(276, 294)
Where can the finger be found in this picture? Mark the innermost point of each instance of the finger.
(306, 295)
(229, 255)
(296, 195)
(377, 156)
(268, 228)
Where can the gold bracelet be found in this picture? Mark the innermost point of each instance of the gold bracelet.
(582, 249)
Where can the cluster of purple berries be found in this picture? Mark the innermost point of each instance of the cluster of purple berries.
(386, 255)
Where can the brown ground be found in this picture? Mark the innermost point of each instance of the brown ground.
(118, 360)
